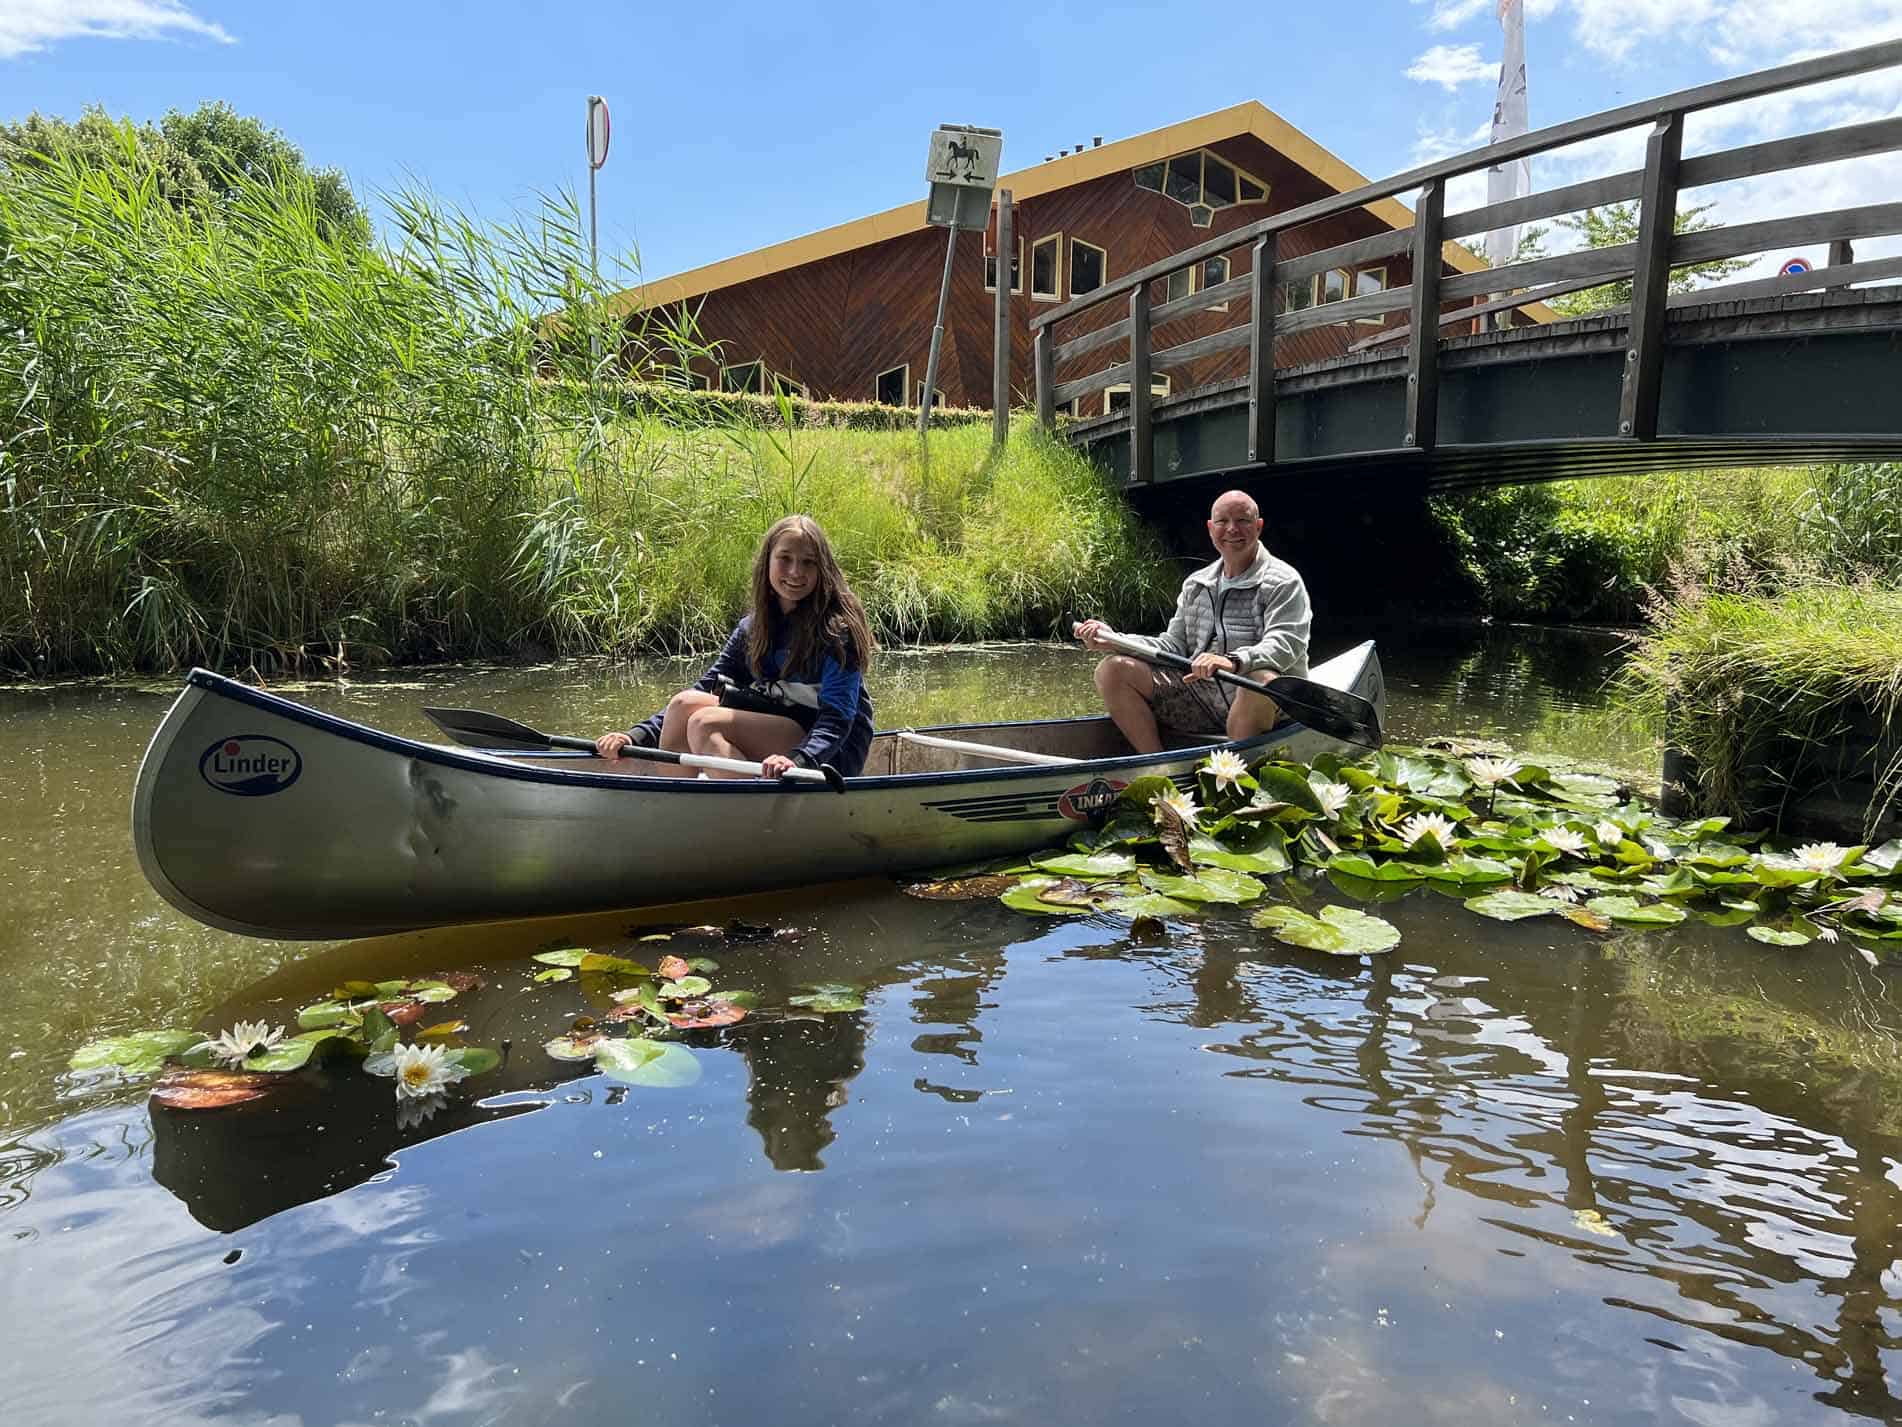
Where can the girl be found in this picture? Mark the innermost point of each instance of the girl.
(789, 688)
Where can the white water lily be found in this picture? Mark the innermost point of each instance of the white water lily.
(1332, 797)
(1490, 772)
(1565, 839)
(1420, 825)
(1820, 856)
(1559, 892)
(1608, 833)
(242, 1041)
(1178, 802)
(423, 1070)
(1226, 767)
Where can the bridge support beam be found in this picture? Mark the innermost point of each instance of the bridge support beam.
(1651, 281)
(1423, 352)
(1261, 352)
(1045, 363)
(1142, 450)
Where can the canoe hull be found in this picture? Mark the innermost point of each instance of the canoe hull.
(259, 815)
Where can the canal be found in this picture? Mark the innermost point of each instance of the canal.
(1049, 1173)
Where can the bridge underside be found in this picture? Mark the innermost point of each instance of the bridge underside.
(1789, 380)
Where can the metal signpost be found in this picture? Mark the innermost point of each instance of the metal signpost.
(962, 171)
(597, 155)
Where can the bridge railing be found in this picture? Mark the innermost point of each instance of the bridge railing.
(1433, 299)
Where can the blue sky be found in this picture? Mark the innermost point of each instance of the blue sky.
(739, 125)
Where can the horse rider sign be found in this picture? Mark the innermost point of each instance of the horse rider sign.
(962, 171)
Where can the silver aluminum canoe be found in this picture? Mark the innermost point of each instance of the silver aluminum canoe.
(256, 814)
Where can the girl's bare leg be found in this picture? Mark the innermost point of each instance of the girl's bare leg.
(673, 734)
(736, 733)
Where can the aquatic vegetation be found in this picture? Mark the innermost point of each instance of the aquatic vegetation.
(420, 1071)
(1540, 843)
(243, 1041)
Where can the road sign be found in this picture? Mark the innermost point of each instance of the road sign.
(962, 170)
(1793, 266)
(597, 131)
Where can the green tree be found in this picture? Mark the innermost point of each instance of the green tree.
(1610, 226)
(200, 159)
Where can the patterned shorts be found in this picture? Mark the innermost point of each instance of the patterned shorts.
(1201, 707)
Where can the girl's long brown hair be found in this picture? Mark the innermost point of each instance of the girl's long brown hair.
(829, 620)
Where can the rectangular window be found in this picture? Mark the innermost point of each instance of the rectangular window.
(1214, 273)
(937, 397)
(1116, 398)
(1330, 286)
(1369, 280)
(1179, 283)
(1046, 269)
(747, 376)
(1297, 296)
(1089, 266)
(890, 388)
(789, 386)
(1016, 270)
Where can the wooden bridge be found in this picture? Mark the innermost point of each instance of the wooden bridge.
(1797, 368)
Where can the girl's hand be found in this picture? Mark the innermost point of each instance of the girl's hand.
(609, 745)
(776, 765)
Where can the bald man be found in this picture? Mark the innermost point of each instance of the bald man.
(1247, 612)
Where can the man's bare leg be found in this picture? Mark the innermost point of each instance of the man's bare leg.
(1126, 685)
(1251, 714)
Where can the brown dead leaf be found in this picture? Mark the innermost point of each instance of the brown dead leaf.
(212, 1089)
(962, 889)
(1585, 917)
(695, 1014)
(672, 968)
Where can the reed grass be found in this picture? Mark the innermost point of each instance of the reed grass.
(238, 440)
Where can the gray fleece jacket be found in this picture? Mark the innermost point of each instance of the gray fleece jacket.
(1261, 621)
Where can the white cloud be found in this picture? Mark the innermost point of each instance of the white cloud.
(1744, 34)
(28, 25)
(1451, 14)
(1453, 65)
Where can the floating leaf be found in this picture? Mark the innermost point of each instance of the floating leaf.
(442, 1031)
(321, 1014)
(474, 1059)
(1340, 931)
(601, 961)
(1208, 884)
(1630, 910)
(1466, 871)
(1087, 864)
(1023, 897)
(1512, 906)
(1780, 936)
(573, 1047)
(639, 1061)
(831, 996)
(704, 964)
(685, 989)
(292, 1054)
(1282, 784)
(565, 956)
(1147, 906)
(672, 968)
(693, 1015)
(744, 999)
(1356, 864)
(211, 1089)
(1584, 917)
(401, 1013)
(1261, 848)
(141, 1053)
(554, 973)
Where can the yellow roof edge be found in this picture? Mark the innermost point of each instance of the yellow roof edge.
(1248, 117)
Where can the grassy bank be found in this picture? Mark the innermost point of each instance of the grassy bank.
(1594, 550)
(240, 439)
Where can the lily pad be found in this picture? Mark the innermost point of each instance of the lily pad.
(686, 988)
(141, 1053)
(960, 889)
(1023, 897)
(1358, 864)
(1584, 917)
(564, 956)
(638, 1061)
(1209, 884)
(1512, 906)
(573, 1047)
(441, 1033)
(831, 996)
(1635, 913)
(1148, 904)
(693, 1015)
(1262, 848)
(1087, 864)
(1281, 784)
(1780, 936)
(1338, 930)
(211, 1089)
(601, 961)
(554, 973)
(475, 1059)
(672, 968)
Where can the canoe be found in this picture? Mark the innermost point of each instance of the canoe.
(256, 814)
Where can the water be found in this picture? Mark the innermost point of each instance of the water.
(1508, 1173)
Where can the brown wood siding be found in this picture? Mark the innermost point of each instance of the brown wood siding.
(836, 323)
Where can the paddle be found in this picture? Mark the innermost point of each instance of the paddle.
(1345, 716)
(486, 730)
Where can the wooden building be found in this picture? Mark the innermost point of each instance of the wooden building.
(846, 313)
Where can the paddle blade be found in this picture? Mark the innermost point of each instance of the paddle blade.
(1327, 709)
(477, 729)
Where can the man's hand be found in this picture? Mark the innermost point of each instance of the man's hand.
(776, 765)
(1091, 632)
(609, 745)
(1205, 665)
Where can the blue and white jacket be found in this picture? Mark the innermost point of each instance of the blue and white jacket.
(828, 700)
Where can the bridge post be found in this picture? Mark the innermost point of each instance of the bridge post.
(1046, 380)
(1423, 343)
(1141, 449)
(1651, 281)
(1261, 352)
(1000, 342)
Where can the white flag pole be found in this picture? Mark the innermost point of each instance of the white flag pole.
(1513, 179)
